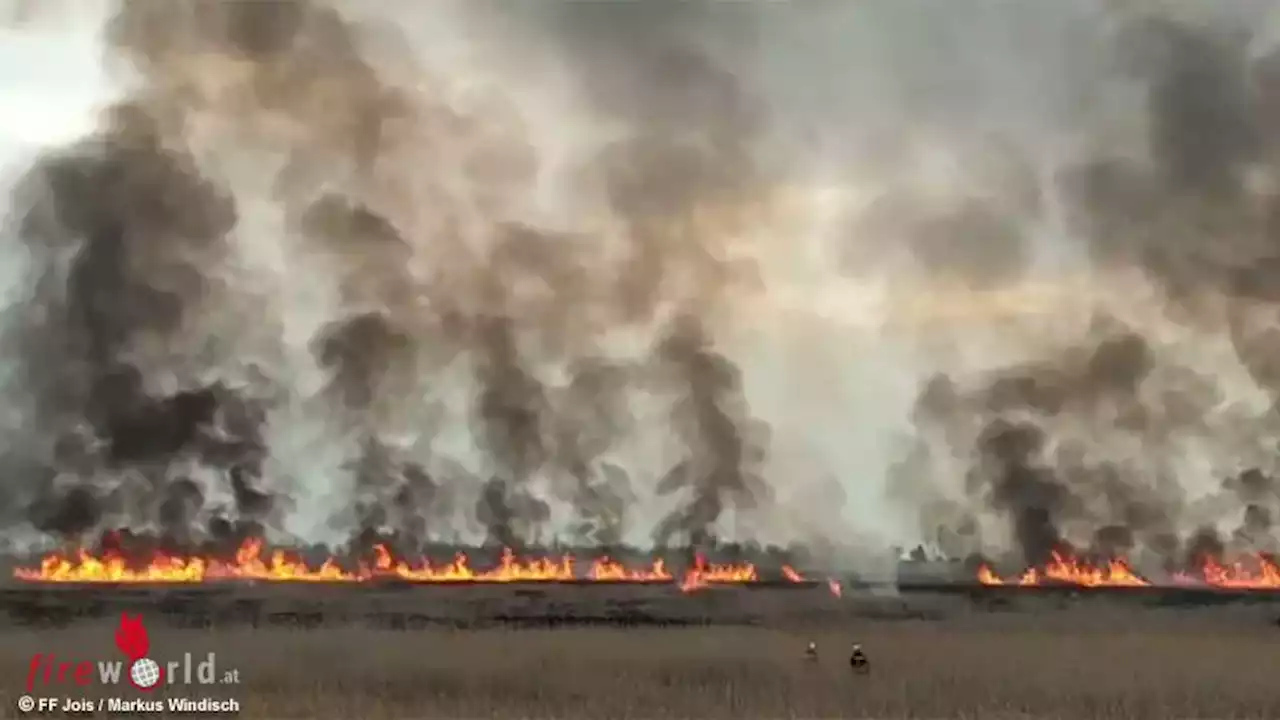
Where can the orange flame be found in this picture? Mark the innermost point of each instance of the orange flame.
(703, 574)
(279, 566)
(606, 570)
(511, 569)
(165, 568)
(1260, 573)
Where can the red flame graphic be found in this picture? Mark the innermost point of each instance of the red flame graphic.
(131, 637)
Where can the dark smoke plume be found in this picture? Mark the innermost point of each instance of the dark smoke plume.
(511, 411)
(133, 346)
(725, 444)
(1078, 449)
(692, 145)
(130, 240)
(590, 418)
(122, 233)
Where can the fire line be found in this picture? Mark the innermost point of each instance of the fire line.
(252, 563)
(1257, 572)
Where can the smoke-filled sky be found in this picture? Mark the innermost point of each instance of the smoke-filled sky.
(984, 275)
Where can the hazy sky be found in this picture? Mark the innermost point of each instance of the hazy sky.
(52, 79)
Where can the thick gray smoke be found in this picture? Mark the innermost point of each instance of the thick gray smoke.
(173, 389)
(591, 419)
(120, 238)
(1093, 444)
(726, 447)
(985, 277)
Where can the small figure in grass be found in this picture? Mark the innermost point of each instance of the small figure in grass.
(858, 660)
(811, 652)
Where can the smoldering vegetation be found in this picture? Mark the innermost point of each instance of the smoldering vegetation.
(326, 272)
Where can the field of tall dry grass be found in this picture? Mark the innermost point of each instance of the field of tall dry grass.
(993, 666)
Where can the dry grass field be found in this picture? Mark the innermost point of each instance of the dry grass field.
(1093, 661)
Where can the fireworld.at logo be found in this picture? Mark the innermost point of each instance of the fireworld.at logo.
(141, 671)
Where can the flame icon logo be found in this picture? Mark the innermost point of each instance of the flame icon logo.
(131, 638)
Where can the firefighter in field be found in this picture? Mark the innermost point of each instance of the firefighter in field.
(811, 652)
(858, 660)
